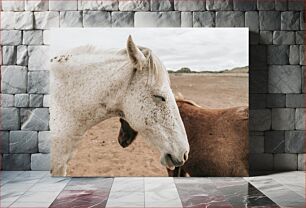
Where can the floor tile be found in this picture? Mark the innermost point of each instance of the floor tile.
(125, 199)
(158, 183)
(203, 194)
(80, 199)
(277, 192)
(100, 184)
(161, 192)
(128, 184)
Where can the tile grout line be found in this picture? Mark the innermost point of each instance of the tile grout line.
(110, 189)
(60, 191)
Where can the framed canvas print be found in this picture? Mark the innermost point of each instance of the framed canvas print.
(149, 101)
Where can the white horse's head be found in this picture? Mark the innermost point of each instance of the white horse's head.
(149, 106)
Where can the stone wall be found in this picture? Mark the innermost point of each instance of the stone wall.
(276, 68)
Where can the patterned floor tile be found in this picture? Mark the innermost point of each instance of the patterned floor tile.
(84, 192)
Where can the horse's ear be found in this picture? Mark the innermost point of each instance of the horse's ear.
(136, 56)
(126, 134)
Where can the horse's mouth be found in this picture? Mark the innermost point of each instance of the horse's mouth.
(168, 161)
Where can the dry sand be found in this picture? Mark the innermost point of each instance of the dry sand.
(99, 153)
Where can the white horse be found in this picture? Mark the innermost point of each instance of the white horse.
(89, 86)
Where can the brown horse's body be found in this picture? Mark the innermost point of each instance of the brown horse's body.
(218, 140)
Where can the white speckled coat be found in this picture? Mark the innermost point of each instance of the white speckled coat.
(89, 85)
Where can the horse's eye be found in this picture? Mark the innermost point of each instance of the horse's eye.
(159, 98)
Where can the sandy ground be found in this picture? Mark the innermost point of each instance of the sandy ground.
(99, 153)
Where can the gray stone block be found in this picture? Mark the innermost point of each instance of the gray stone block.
(257, 101)
(276, 100)
(290, 21)
(251, 21)
(285, 162)
(11, 37)
(229, 19)
(299, 37)
(99, 5)
(294, 54)
(122, 19)
(265, 5)
(301, 162)
(256, 144)
(258, 82)
(134, 5)
(22, 55)
(7, 22)
(162, 5)
(97, 19)
(13, 79)
(7, 100)
(186, 19)
(246, 5)
(303, 79)
(46, 102)
(21, 100)
(185, 6)
(23, 142)
(10, 119)
(256, 133)
(9, 55)
(260, 120)
(13, 5)
(38, 57)
(216, 5)
(283, 37)
(283, 118)
(4, 141)
(299, 119)
(266, 37)
(37, 5)
(40, 162)
(25, 113)
(281, 5)
(46, 20)
(63, 5)
(71, 19)
(38, 82)
(36, 100)
(296, 5)
(302, 20)
(269, 20)
(302, 56)
(295, 142)
(274, 141)
(157, 19)
(24, 20)
(44, 142)
(203, 19)
(261, 162)
(278, 54)
(295, 100)
(16, 161)
(33, 37)
(37, 121)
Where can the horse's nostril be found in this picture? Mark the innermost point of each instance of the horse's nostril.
(185, 156)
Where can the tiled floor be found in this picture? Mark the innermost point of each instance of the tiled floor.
(38, 189)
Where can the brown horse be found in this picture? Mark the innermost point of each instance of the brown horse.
(218, 140)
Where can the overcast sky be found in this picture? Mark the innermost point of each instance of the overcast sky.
(199, 49)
